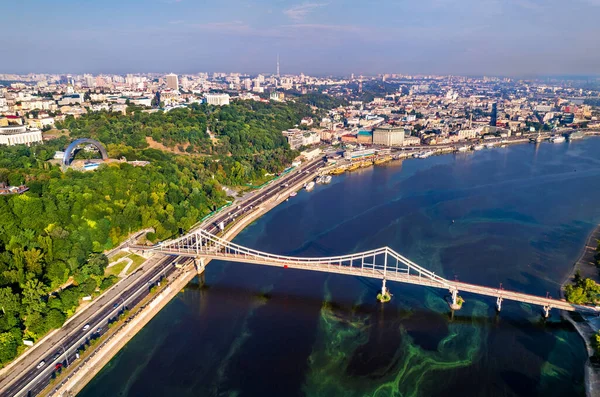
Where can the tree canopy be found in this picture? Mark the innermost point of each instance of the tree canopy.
(52, 238)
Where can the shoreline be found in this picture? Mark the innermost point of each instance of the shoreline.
(101, 356)
(76, 385)
(584, 328)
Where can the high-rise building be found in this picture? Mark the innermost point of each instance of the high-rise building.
(90, 82)
(172, 81)
(388, 136)
(494, 116)
(277, 65)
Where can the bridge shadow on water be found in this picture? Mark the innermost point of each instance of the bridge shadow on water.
(510, 318)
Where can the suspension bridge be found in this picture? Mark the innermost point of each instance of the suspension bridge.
(381, 263)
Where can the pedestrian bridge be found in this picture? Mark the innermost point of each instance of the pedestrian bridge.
(382, 263)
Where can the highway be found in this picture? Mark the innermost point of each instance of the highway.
(66, 350)
(270, 191)
(62, 347)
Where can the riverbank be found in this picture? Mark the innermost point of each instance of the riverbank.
(104, 353)
(586, 326)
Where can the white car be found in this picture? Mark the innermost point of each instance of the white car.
(41, 364)
(87, 326)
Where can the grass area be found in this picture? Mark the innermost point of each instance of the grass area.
(118, 256)
(116, 269)
(137, 261)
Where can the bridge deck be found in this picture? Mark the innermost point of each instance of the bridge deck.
(374, 271)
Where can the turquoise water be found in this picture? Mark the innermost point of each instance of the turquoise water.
(521, 216)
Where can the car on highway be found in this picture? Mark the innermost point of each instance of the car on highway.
(56, 357)
(86, 327)
(41, 364)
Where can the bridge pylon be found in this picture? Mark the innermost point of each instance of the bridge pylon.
(547, 311)
(199, 264)
(498, 304)
(457, 301)
(384, 296)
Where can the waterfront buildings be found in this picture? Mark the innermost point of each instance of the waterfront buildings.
(388, 136)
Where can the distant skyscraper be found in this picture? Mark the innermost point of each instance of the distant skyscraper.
(277, 65)
(494, 117)
(172, 81)
(90, 81)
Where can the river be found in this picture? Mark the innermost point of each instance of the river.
(517, 216)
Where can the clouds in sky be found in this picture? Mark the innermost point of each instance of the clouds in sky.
(502, 37)
(300, 11)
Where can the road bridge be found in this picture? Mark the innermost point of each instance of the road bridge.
(381, 263)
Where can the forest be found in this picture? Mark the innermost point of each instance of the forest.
(52, 238)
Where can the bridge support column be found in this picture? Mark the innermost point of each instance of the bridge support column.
(457, 301)
(199, 265)
(499, 303)
(384, 296)
(546, 311)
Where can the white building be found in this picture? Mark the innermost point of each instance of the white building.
(311, 154)
(19, 135)
(467, 134)
(142, 101)
(411, 140)
(388, 136)
(172, 81)
(310, 138)
(217, 99)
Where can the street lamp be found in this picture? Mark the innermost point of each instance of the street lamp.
(65, 354)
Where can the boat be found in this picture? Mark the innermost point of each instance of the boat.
(576, 135)
(426, 154)
(490, 145)
(477, 147)
(557, 139)
(293, 194)
(327, 179)
(537, 139)
(463, 148)
(365, 164)
(383, 159)
(337, 171)
(310, 186)
(503, 146)
(353, 167)
(319, 180)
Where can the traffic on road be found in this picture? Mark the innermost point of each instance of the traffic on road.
(66, 350)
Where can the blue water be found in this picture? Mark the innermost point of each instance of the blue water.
(521, 216)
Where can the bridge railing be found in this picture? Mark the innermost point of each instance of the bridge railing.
(383, 260)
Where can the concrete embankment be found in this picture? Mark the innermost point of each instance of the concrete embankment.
(588, 326)
(85, 371)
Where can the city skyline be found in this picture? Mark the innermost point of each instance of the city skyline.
(514, 38)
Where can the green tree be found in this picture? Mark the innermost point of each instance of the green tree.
(33, 296)
(9, 302)
(8, 347)
(55, 319)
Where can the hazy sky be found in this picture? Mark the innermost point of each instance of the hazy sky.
(502, 37)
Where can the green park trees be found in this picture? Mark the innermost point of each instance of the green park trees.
(52, 238)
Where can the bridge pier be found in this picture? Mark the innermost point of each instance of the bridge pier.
(199, 265)
(457, 301)
(384, 296)
(546, 311)
(499, 304)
